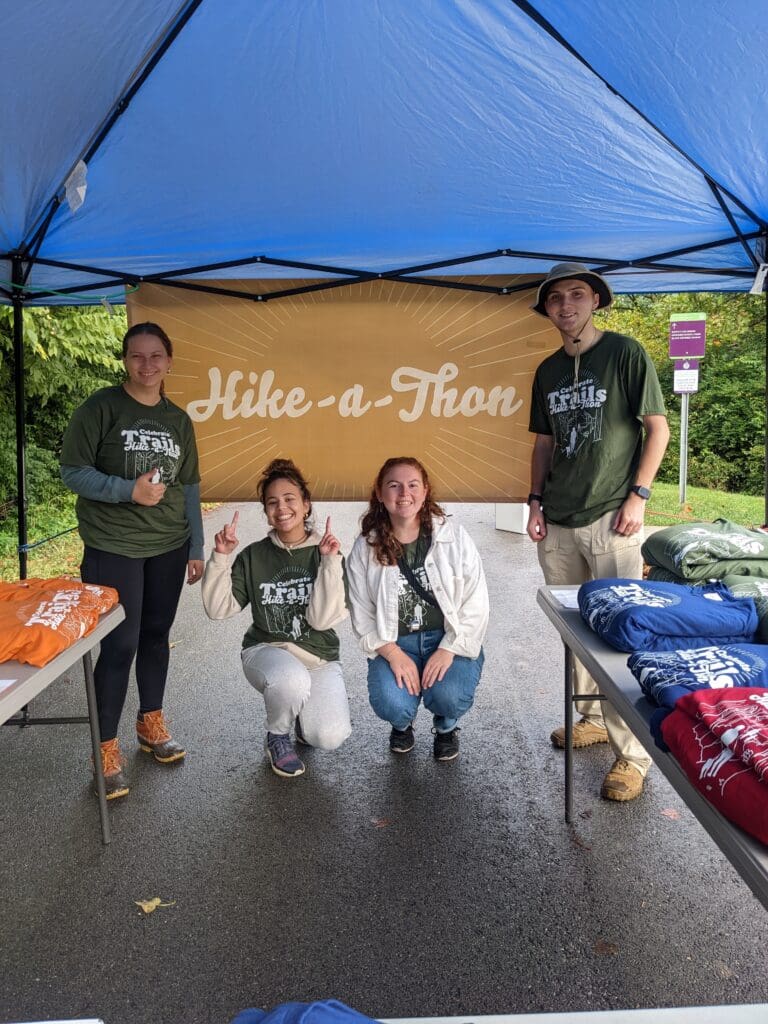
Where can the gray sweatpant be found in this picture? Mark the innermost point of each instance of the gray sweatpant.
(316, 695)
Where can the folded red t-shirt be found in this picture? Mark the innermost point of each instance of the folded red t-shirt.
(719, 737)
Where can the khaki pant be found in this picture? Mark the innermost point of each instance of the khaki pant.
(575, 555)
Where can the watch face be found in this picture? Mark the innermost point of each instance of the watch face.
(643, 492)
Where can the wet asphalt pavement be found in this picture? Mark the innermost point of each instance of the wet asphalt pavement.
(401, 886)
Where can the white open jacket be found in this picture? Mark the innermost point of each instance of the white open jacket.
(456, 575)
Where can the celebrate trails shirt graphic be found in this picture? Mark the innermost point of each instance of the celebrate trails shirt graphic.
(148, 445)
(284, 600)
(278, 585)
(577, 413)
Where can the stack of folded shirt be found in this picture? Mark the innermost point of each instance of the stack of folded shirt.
(720, 740)
(41, 618)
(696, 552)
(755, 587)
(641, 615)
(665, 676)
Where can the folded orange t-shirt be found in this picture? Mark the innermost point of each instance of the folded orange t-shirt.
(41, 618)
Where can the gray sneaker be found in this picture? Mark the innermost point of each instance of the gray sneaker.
(282, 756)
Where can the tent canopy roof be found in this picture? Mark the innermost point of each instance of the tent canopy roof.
(382, 135)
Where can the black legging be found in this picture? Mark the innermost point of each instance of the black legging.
(149, 590)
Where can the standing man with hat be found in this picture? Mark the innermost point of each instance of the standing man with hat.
(601, 432)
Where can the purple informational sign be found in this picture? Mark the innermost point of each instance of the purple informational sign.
(687, 335)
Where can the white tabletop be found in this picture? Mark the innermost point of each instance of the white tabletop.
(23, 682)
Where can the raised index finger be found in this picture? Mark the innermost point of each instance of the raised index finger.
(328, 526)
(235, 517)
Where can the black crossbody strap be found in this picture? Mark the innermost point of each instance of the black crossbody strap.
(409, 574)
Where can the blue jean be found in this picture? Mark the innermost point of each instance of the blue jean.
(448, 699)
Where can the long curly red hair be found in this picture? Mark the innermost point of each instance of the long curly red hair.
(376, 526)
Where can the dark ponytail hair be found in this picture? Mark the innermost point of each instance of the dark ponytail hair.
(156, 331)
(284, 469)
(376, 525)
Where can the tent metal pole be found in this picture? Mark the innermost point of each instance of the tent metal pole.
(765, 468)
(17, 276)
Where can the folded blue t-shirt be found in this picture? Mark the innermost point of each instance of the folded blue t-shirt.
(665, 676)
(325, 1011)
(638, 615)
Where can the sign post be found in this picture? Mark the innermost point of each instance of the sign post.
(687, 344)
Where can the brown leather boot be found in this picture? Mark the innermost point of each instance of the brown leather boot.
(115, 782)
(155, 739)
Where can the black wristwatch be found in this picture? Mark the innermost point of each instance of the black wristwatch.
(641, 492)
(533, 497)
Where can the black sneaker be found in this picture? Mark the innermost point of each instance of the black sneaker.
(401, 740)
(446, 745)
(300, 735)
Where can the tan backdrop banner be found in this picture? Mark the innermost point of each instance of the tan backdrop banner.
(341, 380)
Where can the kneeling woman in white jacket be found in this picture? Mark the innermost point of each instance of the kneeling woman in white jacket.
(294, 583)
(419, 606)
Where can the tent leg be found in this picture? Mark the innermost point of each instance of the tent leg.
(18, 380)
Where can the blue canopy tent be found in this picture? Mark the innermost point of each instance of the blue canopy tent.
(349, 139)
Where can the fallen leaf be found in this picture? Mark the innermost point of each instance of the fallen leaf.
(580, 843)
(150, 906)
(381, 822)
(671, 813)
(604, 948)
(585, 814)
(723, 970)
(174, 643)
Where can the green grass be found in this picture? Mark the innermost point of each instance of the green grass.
(702, 506)
(61, 557)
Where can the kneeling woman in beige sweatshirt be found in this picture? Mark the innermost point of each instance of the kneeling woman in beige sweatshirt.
(294, 581)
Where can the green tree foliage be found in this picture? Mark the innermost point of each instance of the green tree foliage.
(726, 417)
(69, 352)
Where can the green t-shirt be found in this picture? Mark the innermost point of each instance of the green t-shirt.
(277, 584)
(705, 551)
(119, 436)
(414, 614)
(597, 426)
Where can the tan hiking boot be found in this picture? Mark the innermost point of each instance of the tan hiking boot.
(155, 739)
(115, 782)
(585, 734)
(623, 782)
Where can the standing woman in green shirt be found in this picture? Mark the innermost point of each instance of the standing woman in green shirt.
(294, 582)
(130, 455)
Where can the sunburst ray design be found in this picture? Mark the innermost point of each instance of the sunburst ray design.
(322, 352)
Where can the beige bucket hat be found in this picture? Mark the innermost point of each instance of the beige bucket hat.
(577, 271)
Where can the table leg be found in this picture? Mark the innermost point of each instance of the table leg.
(568, 733)
(93, 718)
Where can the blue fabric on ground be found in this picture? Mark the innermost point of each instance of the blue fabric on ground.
(665, 676)
(327, 1011)
(638, 615)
